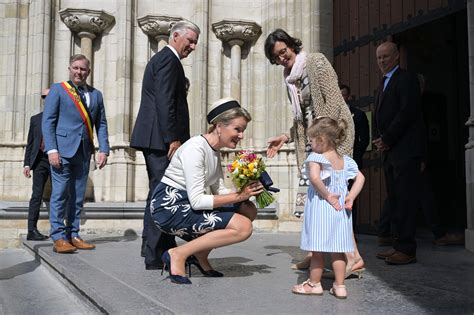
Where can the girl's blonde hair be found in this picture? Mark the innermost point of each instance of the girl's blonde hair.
(333, 131)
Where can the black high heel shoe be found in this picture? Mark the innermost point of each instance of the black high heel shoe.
(174, 278)
(192, 260)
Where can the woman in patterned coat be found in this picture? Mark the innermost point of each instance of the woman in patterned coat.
(313, 91)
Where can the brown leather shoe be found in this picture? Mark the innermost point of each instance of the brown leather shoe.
(80, 244)
(386, 253)
(399, 258)
(450, 239)
(62, 246)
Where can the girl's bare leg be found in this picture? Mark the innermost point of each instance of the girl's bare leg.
(316, 267)
(339, 267)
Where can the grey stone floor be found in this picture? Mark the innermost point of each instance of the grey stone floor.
(258, 280)
(27, 287)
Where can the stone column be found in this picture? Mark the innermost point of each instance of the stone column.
(158, 28)
(238, 36)
(87, 24)
(470, 145)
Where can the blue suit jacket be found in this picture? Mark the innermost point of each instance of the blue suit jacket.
(63, 128)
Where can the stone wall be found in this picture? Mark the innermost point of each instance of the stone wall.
(34, 51)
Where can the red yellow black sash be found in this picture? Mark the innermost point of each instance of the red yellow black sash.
(76, 99)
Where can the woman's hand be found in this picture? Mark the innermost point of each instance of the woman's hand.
(252, 189)
(275, 144)
(333, 200)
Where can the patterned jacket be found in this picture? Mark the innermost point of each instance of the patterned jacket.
(326, 101)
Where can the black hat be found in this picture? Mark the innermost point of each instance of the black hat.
(221, 106)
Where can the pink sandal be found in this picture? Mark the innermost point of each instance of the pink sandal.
(339, 291)
(316, 288)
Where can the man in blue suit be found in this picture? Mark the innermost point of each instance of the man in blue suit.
(162, 125)
(72, 110)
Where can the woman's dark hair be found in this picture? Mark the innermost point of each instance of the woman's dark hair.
(280, 35)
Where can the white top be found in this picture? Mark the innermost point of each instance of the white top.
(194, 167)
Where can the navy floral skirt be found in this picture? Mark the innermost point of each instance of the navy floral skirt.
(172, 214)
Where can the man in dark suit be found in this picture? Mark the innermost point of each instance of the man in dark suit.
(361, 137)
(36, 160)
(72, 110)
(162, 125)
(401, 138)
(361, 126)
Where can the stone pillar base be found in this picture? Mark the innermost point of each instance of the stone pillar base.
(470, 240)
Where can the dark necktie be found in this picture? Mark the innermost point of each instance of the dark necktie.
(382, 83)
(380, 91)
(82, 95)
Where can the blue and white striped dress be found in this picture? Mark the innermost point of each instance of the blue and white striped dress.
(324, 228)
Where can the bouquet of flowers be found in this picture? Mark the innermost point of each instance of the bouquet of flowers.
(245, 168)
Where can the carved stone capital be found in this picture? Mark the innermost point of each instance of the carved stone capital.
(157, 26)
(237, 32)
(86, 21)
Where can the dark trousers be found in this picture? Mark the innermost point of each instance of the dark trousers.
(386, 227)
(157, 242)
(403, 179)
(428, 206)
(40, 177)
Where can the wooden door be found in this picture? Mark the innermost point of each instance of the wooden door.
(359, 27)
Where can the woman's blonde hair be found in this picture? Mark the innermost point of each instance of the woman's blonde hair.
(226, 117)
(223, 111)
(333, 131)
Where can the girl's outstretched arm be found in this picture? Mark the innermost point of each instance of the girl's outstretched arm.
(355, 190)
(315, 179)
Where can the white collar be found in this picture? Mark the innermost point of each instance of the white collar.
(173, 50)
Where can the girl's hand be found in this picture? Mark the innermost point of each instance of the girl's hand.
(275, 144)
(333, 200)
(349, 202)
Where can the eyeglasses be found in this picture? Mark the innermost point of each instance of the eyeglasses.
(281, 53)
(43, 96)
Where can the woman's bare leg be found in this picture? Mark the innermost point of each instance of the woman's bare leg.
(247, 209)
(239, 229)
(354, 259)
(304, 264)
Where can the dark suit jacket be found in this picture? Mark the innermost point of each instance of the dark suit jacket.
(163, 116)
(32, 152)
(398, 118)
(361, 135)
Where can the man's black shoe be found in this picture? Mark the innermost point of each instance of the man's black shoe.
(35, 235)
(154, 266)
(143, 249)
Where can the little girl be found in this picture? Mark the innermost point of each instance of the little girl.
(327, 225)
